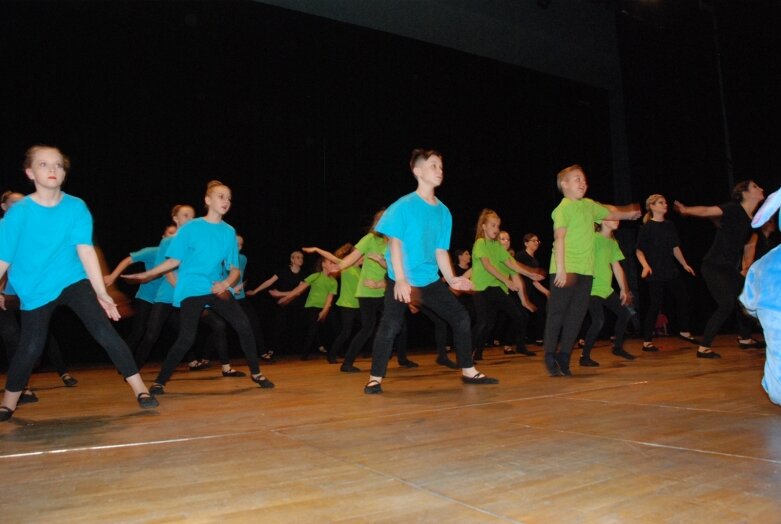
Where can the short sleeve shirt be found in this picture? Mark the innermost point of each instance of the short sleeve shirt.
(657, 240)
(371, 270)
(39, 243)
(497, 255)
(732, 233)
(347, 288)
(422, 228)
(320, 286)
(606, 251)
(578, 218)
(147, 256)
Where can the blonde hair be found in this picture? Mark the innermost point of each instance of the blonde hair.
(564, 173)
(212, 185)
(482, 219)
(651, 200)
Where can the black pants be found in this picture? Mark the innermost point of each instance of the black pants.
(159, 315)
(656, 291)
(487, 303)
(348, 316)
(141, 309)
(190, 312)
(440, 331)
(725, 285)
(596, 310)
(566, 308)
(441, 301)
(254, 322)
(81, 298)
(370, 308)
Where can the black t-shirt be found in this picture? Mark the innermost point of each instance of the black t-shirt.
(732, 232)
(657, 240)
(459, 271)
(288, 281)
(765, 244)
(527, 260)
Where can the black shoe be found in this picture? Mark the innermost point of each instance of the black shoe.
(267, 357)
(156, 389)
(147, 401)
(621, 353)
(444, 361)
(408, 364)
(348, 368)
(650, 348)
(372, 388)
(235, 373)
(688, 339)
(479, 379)
(563, 361)
(707, 354)
(6, 413)
(68, 380)
(754, 344)
(524, 351)
(263, 382)
(588, 363)
(27, 398)
(552, 365)
(199, 366)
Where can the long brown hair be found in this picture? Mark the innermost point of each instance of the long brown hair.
(482, 219)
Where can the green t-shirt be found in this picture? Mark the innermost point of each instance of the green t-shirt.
(347, 287)
(578, 218)
(497, 255)
(371, 270)
(320, 286)
(606, 251)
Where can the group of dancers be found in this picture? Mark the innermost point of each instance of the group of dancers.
(402, 264)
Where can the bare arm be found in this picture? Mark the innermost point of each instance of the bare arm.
(678, 254)
(749, 251)
(323, 253)
(326, 308)
(156, 271)
(269, 282)
(542, 289)
(697, 211)
(220, 287)
(523, 269)
(525, 302)
(628, 212)
(626, 295)
(109, 279)
(507, 281)
(89, 259)
(290, 295)
(558, 250)
(647, 270)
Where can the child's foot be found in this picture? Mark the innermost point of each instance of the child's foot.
(704, 352)
(68, 380)
(621, 353)
(373, 387)
(648, 346)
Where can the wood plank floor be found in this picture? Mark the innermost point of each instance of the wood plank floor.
(666, 438)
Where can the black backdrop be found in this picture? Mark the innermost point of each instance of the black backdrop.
(311, 121)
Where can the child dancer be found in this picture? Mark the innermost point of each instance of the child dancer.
(202, 249)
(318, 301)
(418, 226)
(537, 293)
(657, 248)
(282, 281)
(46, 239)
(607, 258)
(722, 264)
(572, 265)
(493, 273)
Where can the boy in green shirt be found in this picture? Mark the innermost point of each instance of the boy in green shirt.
(572, 264)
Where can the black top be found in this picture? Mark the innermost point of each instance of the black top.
(459, 271)
(288, 281)
(657, 240)
(765, 244)
(534, 294)
(732, 233)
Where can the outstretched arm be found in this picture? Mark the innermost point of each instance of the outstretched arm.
(269, 282)
(445, 267)
(628, 212)
(109, 279)
(89, 259)
(156, 271)
(290, 295)
(697, 211)
(523, 269)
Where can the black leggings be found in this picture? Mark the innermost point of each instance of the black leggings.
(141, 311)
(190, 312)
(440, 331)
(81, 298)
(348, 316)
(656, 291)
(724, 284)
(254, 322)
(440, 300)
(487, 303)
(596, 310)
(370, 308)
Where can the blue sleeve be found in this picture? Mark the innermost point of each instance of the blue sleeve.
(146, 255)
(178, 247)
(443, 240)
(392, 222)
(81, 234)
(9, 238)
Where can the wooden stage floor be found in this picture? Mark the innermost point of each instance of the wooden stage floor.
(666, 438)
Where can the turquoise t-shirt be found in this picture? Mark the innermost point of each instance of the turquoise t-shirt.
(165, 291)
(147, 256)
(371, 270)
(320, 286)
(348, 287)
(422, 228)
(578, 218)
(238, 295)
(39, 243)
(606, 251)
(206, 251)
(497, 255)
